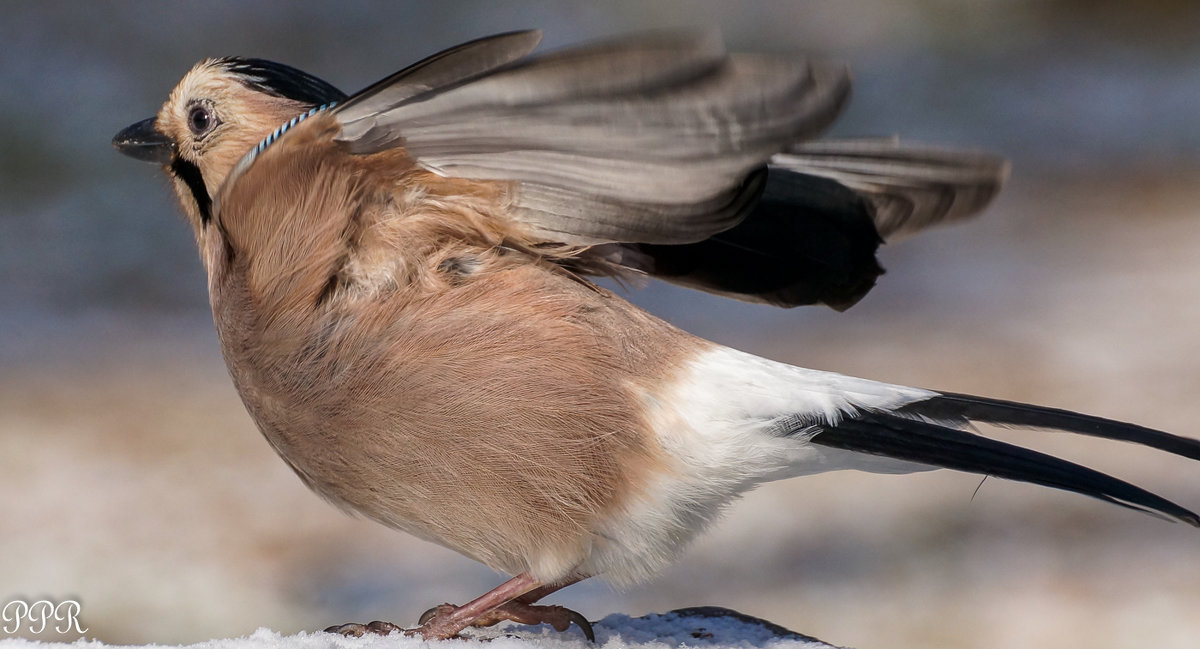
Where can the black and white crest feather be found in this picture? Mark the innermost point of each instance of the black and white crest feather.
(282, 80)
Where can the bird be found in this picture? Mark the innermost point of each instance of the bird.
(404, 287)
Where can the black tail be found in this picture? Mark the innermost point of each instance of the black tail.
(960, 408)
(910, 434)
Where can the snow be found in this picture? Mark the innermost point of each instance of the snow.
(708, 628)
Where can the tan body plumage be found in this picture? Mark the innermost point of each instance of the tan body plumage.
(501, 372)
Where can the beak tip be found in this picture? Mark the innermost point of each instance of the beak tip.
(142, 141)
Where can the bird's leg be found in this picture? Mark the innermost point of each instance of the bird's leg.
(447, 620)
(520, 609)
(513, 600)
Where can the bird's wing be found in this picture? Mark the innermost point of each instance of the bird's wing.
(687, 163)
(656, 138)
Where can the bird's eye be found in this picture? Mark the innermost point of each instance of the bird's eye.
(200, 120)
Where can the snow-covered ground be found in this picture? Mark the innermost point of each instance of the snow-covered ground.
(699, 628)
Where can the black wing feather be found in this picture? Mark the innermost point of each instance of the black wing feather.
(808, 240)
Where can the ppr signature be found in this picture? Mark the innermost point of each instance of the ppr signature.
(38, 615)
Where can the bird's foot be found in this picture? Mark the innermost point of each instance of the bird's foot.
(358, 630)
(442, 621)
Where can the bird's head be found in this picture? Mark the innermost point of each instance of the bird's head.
(220, 110)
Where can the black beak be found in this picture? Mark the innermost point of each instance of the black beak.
(143, 142)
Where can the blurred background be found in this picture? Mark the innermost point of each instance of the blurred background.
(132, 480)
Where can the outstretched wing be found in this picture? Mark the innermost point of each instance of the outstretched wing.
(653, 139)
(674, 158)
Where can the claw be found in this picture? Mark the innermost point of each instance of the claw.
(383, 628)
(356, 630)
(583, 624)
(429, 614)
(348, 630)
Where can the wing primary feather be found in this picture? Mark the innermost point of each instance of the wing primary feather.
(444, 69)
(634, 64)
(914, 440)
(911, 187)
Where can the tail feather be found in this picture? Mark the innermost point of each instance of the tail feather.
(960, 408)
(915, 440)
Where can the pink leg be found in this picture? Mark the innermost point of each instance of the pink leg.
(520, 609)
(448, 620)
(511, 600)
